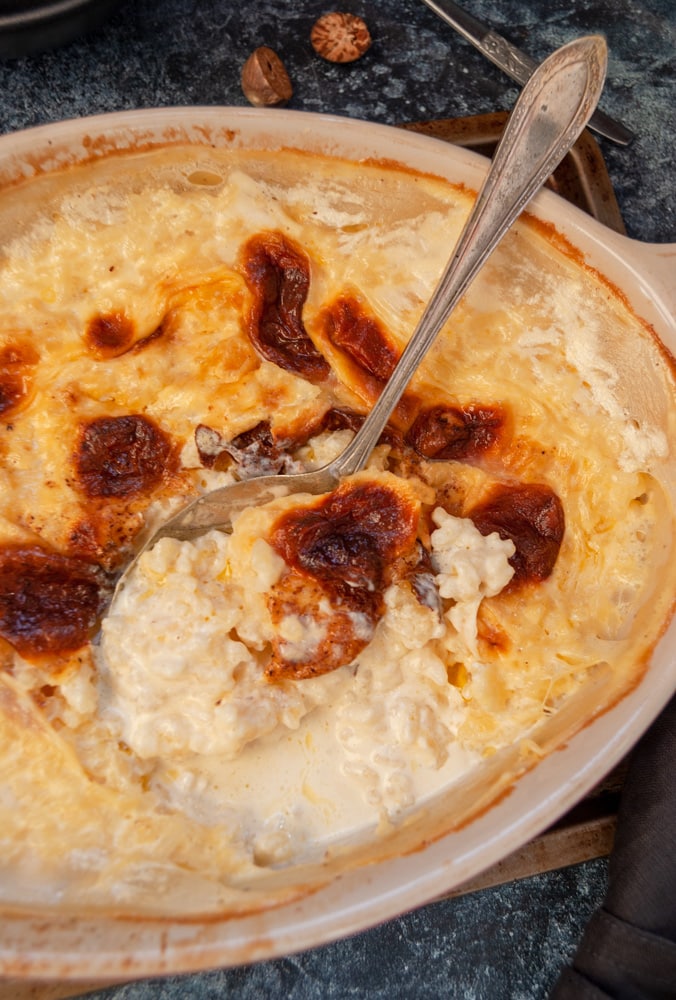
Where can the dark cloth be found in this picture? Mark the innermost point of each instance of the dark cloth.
(628, 950)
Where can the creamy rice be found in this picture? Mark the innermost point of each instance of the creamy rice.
(183, 653)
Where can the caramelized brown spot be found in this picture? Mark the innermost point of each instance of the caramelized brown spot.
(109, 334)
(122, 456)
(83, 539)
(370, 355)
(49, 603)
(257, 440)
(337, 419)
(456, 432)
(278, 275)
(349, 327)
(348, 544)
(345, 538)
(303, 597)
(17, 362)
(532, 516)
(212, 448)
(256, 451)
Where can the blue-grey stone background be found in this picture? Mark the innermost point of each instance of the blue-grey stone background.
(506, 943)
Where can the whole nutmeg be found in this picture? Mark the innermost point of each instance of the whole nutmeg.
(265, 81)
(340, 38)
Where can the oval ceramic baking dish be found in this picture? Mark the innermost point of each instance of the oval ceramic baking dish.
(424, 862)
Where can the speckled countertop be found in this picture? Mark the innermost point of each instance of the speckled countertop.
(506, 943)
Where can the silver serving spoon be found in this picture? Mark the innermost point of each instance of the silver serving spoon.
(549, 115)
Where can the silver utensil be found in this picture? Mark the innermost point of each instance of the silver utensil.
(552, 110)
(512, 61)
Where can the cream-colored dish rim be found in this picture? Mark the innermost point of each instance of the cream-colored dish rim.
(65, 946)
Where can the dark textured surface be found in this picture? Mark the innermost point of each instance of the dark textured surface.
(499, 944)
